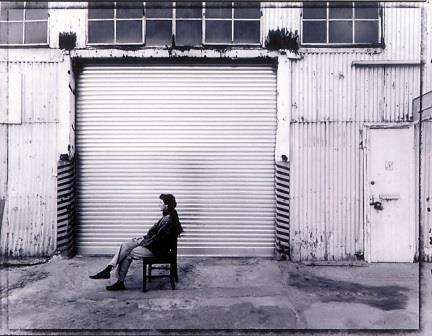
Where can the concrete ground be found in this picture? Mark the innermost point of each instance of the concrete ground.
(226, 295)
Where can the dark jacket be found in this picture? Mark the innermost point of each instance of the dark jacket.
(161, 236)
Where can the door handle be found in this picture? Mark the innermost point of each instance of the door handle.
(376, 204)
(389, 197)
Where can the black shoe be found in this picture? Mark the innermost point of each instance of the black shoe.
(119, 285)
(105, 274)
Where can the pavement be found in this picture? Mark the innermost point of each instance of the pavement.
(219, 296)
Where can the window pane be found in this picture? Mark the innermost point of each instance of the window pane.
(11, 11)
(36, 11)
(101, 31)
(340, 10)
(11, 33)
(130, 10)
(247, 31)
(314, 32)
(188, 32)
(188, 10)
(129, 31)
(220, 10)
(366, 32)
(340, 32)
(35, 32)
(366, 10)
(218, 32)
(159, 10)
(314, 10)
(158, 32)
(247, 10)
(101, 10)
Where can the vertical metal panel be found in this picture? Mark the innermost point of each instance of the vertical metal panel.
(66, 206)
(426, 181)
(282, 185)
(68, 17)
(278, 15)
(3, 161)
(325, 202)
(427, 46)
(204, 133)
(29, 225)
(327, 87)
(385, 94)
(402, 32)
(31, 199)
(39, 103)
(322, 88)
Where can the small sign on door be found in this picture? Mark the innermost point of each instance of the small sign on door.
(389, 165)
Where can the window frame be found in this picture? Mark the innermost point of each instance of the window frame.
(174, 20)
(114, 19)
(24, 21)
(353, 44)
(233, 19)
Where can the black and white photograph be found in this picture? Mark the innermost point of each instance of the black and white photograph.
(216, 167)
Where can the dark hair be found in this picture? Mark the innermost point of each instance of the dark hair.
(169, 200)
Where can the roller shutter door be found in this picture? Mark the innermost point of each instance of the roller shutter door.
(204, 133)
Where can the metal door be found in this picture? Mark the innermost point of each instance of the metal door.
(389, 197)
(203, 132)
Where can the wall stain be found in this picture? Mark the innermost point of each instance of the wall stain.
(382, 297)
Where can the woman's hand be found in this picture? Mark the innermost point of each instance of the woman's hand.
(137, 239)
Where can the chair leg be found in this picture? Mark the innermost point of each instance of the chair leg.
(144, 276)
(172, 276)
(150, 270)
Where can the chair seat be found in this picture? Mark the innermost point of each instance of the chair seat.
(170, 258)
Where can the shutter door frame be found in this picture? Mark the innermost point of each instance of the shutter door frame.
(204, 132)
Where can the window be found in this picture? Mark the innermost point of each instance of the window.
(115, 23)
(23, 23)
(237, 22)
(341, 23)
(158, 23)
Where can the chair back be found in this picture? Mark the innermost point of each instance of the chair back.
(173, 247)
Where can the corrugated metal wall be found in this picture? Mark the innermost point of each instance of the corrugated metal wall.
(332, 98)
(426, 196)
(66, 207)
(29, 223)
(326, 199)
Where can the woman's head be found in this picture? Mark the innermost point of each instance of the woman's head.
(168, 203)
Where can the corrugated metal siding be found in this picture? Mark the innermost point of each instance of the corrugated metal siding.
(277, 15)
(29, 226)
(66, 207)
(329, 88)
(31, 215)
(426, 189)
(326, 198)
(402, 41)
(204, 133)
(385, 94)
(282, 186)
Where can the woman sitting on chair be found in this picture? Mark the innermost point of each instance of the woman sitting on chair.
(156, 242)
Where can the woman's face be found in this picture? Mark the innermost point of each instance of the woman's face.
(162, 205)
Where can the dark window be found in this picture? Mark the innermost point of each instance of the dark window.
(115, 23)
(160, 23)
(341, 23)
(24, 23)
(188, 23)
(237, 22)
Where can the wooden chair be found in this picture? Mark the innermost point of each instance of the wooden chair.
(170, 258)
